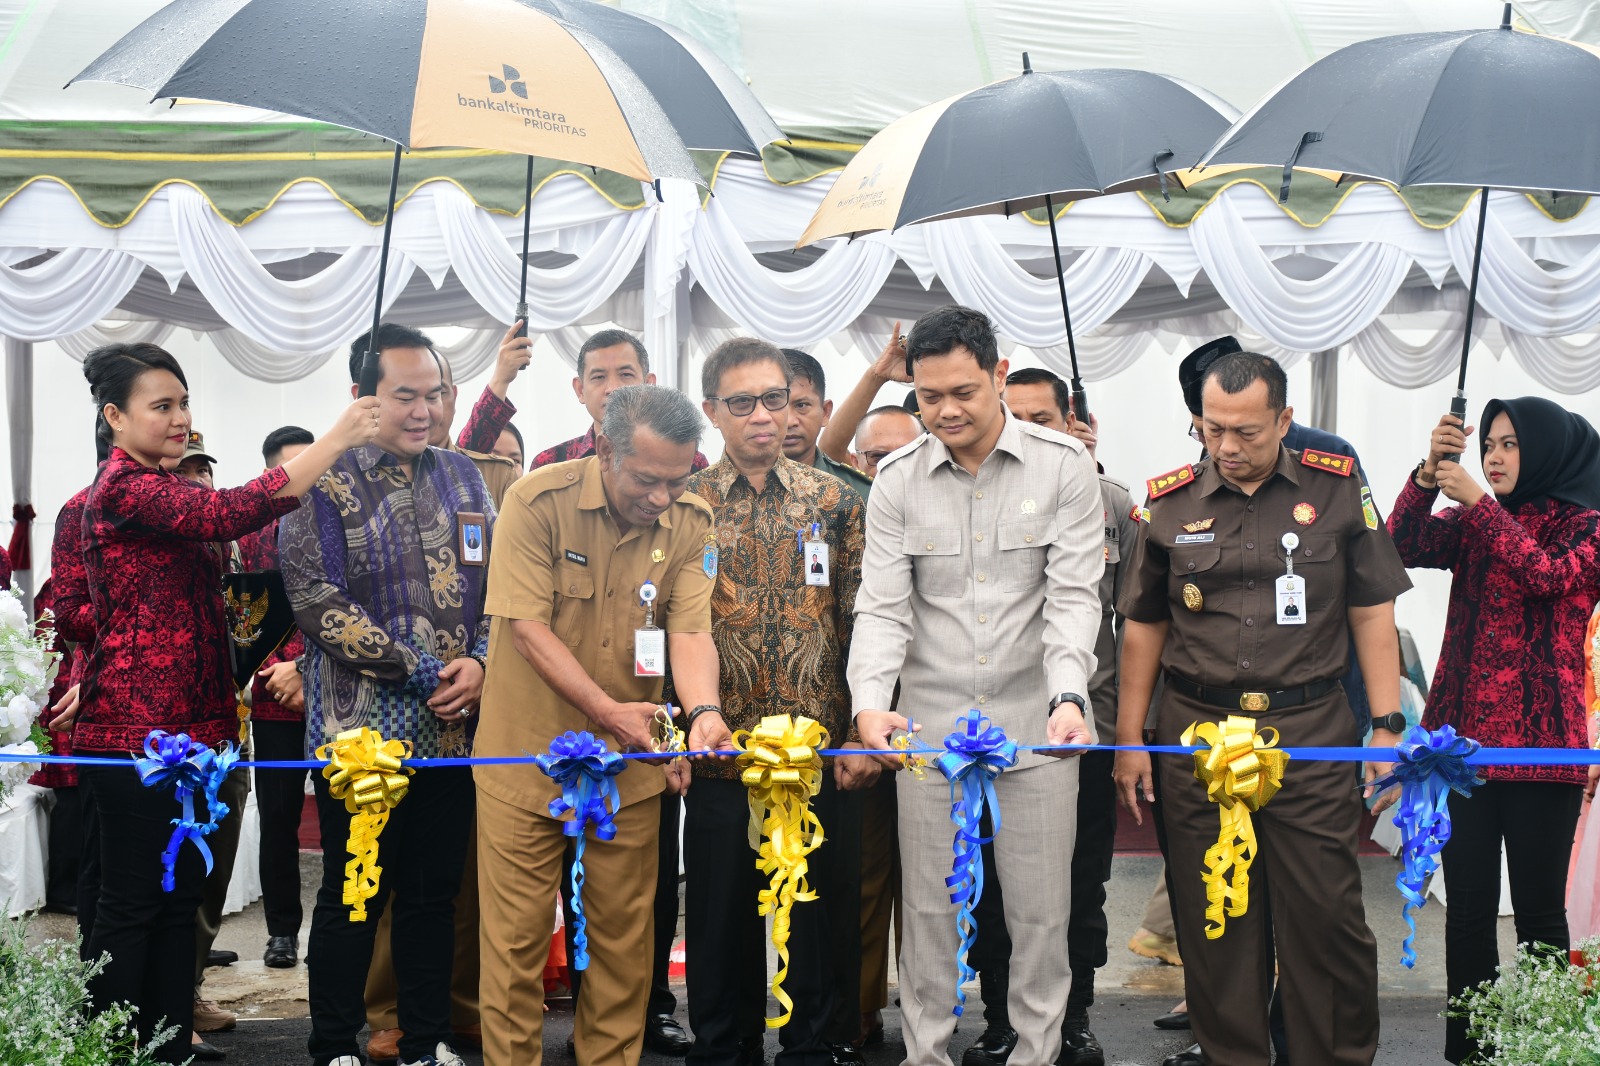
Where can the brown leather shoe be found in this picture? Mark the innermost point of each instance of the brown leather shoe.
(210, 1018)
(471, 1035)
(383, 1046)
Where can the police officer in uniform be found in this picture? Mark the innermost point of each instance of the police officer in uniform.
(1223, 550)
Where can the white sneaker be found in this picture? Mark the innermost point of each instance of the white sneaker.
(442, 1056)
(345, 1060)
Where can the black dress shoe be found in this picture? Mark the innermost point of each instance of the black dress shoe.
(1078, 1045)
(993, 1048)
(1189, 1056)
(204, 1052)
(1178, 1019)
(221, 958)
(846, 1055)
(283, 952)
(664, 1036)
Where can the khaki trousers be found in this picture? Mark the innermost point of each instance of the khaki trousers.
(1158, 911)
(880, 890)
(383, 994)
(1305, 881)
(519, 865)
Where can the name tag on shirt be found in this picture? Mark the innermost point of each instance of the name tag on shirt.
(1291, 591)
(1194, 538)
(816, 557)
(649, 652)
(472, 533)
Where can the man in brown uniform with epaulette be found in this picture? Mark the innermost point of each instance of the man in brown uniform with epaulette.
(601, 575)
(1211, 598)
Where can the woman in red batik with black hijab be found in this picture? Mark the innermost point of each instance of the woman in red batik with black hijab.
(1525, 563)
(160, 660)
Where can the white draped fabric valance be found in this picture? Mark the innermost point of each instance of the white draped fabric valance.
(1371, 276)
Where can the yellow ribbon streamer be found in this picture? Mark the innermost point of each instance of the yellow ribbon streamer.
(1241, 773)
(779, 764)
(369, 775)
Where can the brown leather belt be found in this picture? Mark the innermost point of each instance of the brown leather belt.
(1251, 701)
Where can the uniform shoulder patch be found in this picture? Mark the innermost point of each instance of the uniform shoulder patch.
(1171, 481)
(1342, 465)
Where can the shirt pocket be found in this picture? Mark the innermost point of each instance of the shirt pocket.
(1023, 543)
(574, 597)
(937, 565)
(1196, 564)
(1317, 559)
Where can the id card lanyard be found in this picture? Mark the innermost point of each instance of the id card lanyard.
(814, 555)
(649, 642)
(1291, 587)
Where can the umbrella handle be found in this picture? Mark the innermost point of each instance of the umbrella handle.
(1458, 407)
(1080, 403)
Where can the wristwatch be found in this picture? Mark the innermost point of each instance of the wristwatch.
(1068, 697)
(1394, 722)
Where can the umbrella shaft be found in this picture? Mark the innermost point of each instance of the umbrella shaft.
(369, 364)
(527, 223)
(1080, 401)
(1472, 291)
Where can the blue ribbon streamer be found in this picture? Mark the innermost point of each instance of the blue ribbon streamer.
(587, 774)
(1428, 767)
(973, 757)
(188, 767)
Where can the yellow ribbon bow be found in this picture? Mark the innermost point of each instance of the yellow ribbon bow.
(369, 775)
(1241, 773)
(779, 764)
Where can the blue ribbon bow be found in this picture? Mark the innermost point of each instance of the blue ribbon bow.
(587, 773)
(972, 759)
(1429, 766)
(188, 767)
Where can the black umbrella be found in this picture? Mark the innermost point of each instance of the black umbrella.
(1033, 141)
(1490, 108)
(550, 78)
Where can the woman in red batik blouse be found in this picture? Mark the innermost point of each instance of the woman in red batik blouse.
(160, 660)
(1526, 573)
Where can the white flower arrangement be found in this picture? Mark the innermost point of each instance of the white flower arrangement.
(1541, 1009)
(28, 664)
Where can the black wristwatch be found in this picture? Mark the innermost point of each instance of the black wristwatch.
(1394, 722)
(1068, 697)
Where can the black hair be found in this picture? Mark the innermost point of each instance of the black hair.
(805, 365)
(1237, 371)
(610, 338)
(112, 370)
(390, 335)
(517, 433)
(911, 405)
(1192, 371)
(941, 331)
(281, 438)
(739, 351)
(1039, 376)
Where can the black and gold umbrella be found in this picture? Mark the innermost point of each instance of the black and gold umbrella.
(1033, 141)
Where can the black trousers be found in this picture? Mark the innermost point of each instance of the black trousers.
(423, 850)
(1537, 821)
(280, 797)
(1087, 929)
(662, 1001)
(66, 837)
(727, 979)
(88, 867)
(148, 932)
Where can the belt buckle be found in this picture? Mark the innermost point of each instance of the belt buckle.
(1254, 702)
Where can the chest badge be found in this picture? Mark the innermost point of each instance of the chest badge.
(1029, 507)
(1304, 514)
(1198, 527)
(658, 556)
(1192, 598)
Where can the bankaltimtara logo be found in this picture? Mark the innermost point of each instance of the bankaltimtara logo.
(511, 84)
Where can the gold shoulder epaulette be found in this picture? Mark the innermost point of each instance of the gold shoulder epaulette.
(1170, 481)
(1342, 465)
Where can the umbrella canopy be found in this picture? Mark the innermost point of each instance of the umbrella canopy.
(562, 79)
(1492, 108)
(1007, 147)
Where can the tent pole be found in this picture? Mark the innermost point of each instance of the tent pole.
(369, 362)
(1458, 403)
(1080, 400)
(527, 223)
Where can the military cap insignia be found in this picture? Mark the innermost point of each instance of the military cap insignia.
(1342, 465)
(1198, 527)
(1169, 482)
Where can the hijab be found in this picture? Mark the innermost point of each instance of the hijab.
(1560, 453)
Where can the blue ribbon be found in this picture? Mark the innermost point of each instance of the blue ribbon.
(587, 774)
(188, 767)
(973, 757)
(1428, 767)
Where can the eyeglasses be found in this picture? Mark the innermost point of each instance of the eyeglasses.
(874, 458)
(744, 403)
(1194, 432)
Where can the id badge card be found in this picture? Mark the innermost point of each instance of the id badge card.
(649, 641)
(1291, 594)
(472, 538)
(816, 557)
